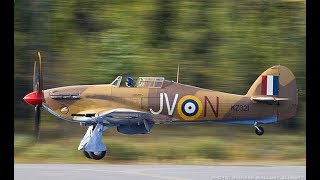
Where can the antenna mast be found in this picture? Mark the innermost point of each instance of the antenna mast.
(178, 73)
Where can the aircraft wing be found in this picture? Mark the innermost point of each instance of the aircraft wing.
(267, 99)
(124, 114)
(127, 118)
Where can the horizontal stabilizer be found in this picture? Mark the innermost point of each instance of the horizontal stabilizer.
(267, 99)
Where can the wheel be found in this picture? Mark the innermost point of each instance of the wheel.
(97, 155)
(259, 133)
(85, 153)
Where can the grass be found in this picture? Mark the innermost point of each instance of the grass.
(171, 145)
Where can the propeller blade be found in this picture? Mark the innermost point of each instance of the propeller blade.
(37, 122)
(35, 78)
(36, 98)
(40, 73)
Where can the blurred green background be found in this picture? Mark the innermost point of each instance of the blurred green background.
(220, 45)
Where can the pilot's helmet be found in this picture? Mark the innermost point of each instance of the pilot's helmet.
(129, 81)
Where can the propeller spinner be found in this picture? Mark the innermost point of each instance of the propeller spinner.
(35, 98)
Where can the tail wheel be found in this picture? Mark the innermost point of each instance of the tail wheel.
(259, 131)
(97, 155)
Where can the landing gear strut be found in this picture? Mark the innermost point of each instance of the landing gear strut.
(91, 144)
(259, 129)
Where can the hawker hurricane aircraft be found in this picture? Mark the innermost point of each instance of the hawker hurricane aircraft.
(154, 100)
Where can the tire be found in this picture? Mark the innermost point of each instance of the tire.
(97, 155)
(259, 133)
(86, 154)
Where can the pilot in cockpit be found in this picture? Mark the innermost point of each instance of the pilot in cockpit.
(129, 82)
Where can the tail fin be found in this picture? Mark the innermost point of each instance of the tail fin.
(279, 84)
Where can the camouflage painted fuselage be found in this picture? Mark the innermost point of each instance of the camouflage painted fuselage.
(175, 102)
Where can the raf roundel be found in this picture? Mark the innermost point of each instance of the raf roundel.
(189, 107)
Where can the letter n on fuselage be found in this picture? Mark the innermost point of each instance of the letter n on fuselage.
(215, 111)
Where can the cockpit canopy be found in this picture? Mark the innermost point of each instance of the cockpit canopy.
(150, 82)
(143, 82)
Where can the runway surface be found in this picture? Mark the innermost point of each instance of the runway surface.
(147, 172)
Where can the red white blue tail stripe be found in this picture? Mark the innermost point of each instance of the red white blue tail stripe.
(270, 85)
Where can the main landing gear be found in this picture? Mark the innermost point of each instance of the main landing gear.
(259, 129)
(91, 144)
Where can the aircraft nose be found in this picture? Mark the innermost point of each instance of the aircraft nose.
(33, 98)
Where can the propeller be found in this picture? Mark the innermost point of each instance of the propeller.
(35, 98)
